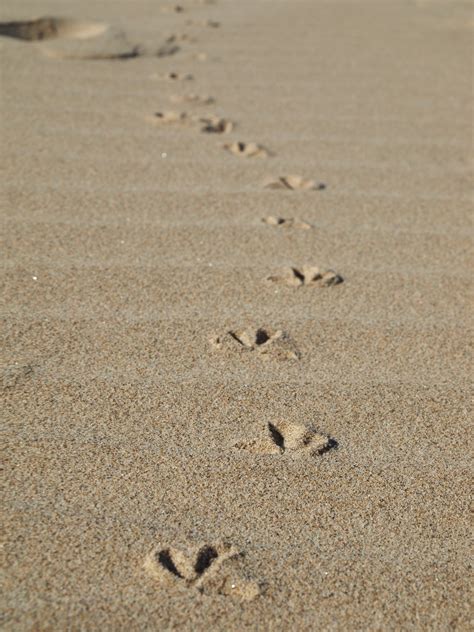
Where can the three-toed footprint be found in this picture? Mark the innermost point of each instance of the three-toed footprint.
(210, 125)
(216, 125)
(177, 8)
(281, 437)
(173, 76)
(247, 150)
(167, 49)
(286, 222)
(209, 568)
(180, 37)
(312, 276)
(277, 344)
(213, 24)
(195, 99)
(293, 183)
(168, 117)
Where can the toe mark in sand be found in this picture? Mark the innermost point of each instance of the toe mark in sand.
(276, 436)
(247, 150)
(166, 561)
(15, 375)
(294, 183)
(205, 557)
(191, 564)
(312, 276)
(295, 438)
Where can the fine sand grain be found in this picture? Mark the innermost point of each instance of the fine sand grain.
(237, 306)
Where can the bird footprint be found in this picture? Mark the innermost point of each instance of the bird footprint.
(282, 222)
(192, 98)
(308, 276)
(247, 150)
(278, 343)
(173, 76)
(293, 183)
(201, 567)
(168, 118)
(286, 436)
(216, 125)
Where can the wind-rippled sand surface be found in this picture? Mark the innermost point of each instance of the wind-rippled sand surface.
(237, 281)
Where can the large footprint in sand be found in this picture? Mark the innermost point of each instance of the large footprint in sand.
(67, 38)
(208, 568)
(51, 28)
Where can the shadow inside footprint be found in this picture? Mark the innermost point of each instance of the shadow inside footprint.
(250, 339)
(205, 557)
(261, 337)
(276, 436)
(165, 559)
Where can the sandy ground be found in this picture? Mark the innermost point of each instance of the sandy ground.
(205, 430)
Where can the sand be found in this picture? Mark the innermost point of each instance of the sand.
(236, 370)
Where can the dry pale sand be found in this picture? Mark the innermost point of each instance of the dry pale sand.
(206, 429)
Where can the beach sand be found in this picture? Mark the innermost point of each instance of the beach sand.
(237, 282)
